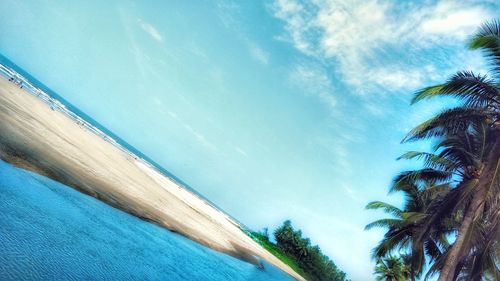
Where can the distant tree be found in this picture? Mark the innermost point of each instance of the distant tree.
(265, 234)
(284, 236)
(391, 268)
(309, 258)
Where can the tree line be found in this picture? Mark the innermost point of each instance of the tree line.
(312, 263)
(450, 219)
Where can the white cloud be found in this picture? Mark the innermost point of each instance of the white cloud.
(395, 77)
(241, 151)
(200, 137)
(173, 115)
(314, 81)
(258, 53)
(297, 22)
(454, 19)
(151, 30)
(361, 25)
(355, 34)
(229, 13)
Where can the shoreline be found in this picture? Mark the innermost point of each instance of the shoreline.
(55, 104)
(40, 134)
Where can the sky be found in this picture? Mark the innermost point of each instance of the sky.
(273, 109)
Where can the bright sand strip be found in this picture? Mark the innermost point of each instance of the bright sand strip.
(50, 143)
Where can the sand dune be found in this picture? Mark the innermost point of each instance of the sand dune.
(47, 141)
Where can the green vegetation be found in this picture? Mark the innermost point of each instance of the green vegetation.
(276, 251)
(299, 254)
(450, 219)
(392, 268)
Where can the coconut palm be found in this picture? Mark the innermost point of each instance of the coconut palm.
(391, 268)
(432, 210)
(460, 159)
(403, 229)
(470, 134)
(457, 164)
(302, 248)
(284, 236)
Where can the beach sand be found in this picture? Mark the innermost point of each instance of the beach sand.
(46, 141)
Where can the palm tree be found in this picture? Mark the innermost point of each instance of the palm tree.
(460, 159)
(470, 134)
(302, 248)
(482, 261)
(403, 229)
(284, 235)
(391, 268)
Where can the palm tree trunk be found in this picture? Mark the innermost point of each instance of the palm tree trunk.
(475, 208)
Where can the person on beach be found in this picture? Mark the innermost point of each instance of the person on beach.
(18, 82)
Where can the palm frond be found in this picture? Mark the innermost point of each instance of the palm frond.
(443, 208)
(417, 258)
(436, 266)
(426, 176)
(474, 90)
(388, 208)
(482, 260)
(393, 240)
(413, 217)
(432, 249)
(447, 123)
(433, 192)
(384, 223)
(431, 160)
(487, 38)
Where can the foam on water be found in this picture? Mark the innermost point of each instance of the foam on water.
(49, 231)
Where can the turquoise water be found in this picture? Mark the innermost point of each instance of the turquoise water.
(49, 231)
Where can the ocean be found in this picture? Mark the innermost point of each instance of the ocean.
(49, 231)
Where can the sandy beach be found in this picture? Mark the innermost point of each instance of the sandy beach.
(38, 138)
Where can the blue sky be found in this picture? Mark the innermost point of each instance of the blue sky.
(272, 109)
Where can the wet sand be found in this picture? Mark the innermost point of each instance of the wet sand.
(46, 141)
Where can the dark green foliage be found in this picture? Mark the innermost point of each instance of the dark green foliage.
(309, 258)
(404, 227)
(392, 268)
(278, 252)
(299, 254)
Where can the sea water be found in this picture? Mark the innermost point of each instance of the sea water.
(49, 231)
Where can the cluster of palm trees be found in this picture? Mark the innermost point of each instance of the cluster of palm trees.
(449, 224)
(310, 259)
(392, 268)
